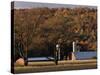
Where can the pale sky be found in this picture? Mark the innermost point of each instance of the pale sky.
(23, 5)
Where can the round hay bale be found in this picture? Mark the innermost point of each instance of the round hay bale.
(20, 62)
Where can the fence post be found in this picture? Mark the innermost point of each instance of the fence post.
(73, 52)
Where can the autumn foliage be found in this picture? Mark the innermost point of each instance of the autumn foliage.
(38, 28)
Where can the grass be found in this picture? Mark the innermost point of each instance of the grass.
(62, 65)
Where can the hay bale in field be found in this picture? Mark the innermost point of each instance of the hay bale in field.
(20, 62)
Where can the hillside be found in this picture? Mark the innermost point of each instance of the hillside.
(38, 28)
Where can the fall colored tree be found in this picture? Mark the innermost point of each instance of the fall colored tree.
(39, 29)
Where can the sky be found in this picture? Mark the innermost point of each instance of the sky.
(23, 5)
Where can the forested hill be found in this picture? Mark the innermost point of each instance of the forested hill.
(38, 27)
